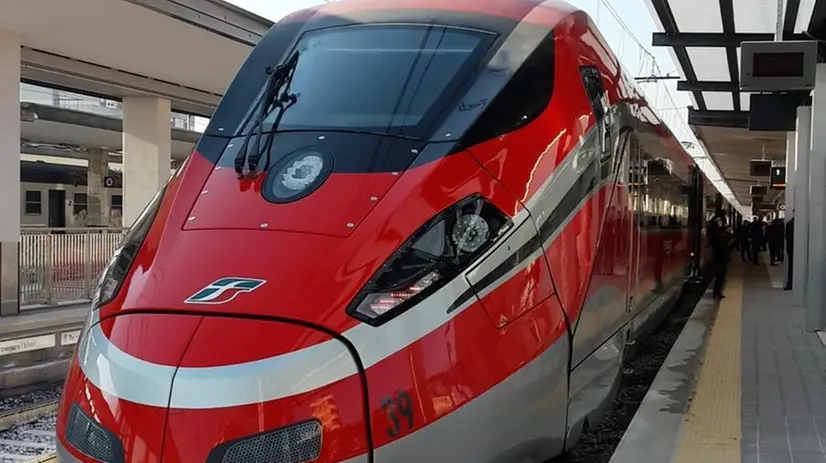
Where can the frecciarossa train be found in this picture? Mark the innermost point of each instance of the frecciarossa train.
(414, 231)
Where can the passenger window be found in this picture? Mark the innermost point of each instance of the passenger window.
(521, 101)
(117, 203)
(599, 104)
(80, 203)
(33, 202)
(596, 91)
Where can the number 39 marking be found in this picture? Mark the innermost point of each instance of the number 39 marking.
(397, 409)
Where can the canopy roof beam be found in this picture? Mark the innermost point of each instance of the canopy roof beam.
(715, 39)
(732, 119)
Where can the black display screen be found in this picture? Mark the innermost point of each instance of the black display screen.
(783, 64)
(760, 168)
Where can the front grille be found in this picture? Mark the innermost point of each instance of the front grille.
(91, 439)
(297, 443)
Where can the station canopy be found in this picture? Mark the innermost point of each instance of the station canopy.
(703, 37)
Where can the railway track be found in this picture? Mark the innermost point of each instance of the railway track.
(27, 432)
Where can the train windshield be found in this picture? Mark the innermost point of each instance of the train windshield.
(388, 79)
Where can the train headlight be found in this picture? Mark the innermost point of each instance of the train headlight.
(470, 232)
(438, 252)
(118, 267)
(297, 175)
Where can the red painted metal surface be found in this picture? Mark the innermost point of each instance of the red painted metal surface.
(314, 265)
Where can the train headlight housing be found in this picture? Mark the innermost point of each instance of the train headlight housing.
(112, 276)
(437, 252)
(297, 175)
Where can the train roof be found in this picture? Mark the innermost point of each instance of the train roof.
(546, 12)
(44, 172)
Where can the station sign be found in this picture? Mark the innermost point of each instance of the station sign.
(778, 178)
(68, 338)
(782, 66)
(15, 346)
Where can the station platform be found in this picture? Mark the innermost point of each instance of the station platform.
(36, 345)
(43, 320)
(743, 383)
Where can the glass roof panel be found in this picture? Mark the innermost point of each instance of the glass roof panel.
(718, 101)
(745, 101)
(697, 15)
(804, 15)
(755, 16)
(710, 63)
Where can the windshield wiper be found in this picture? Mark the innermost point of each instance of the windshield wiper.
(277, 96)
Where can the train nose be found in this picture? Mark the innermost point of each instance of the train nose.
(182, 388)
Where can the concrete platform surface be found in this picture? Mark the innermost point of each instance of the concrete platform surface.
(32, 322)
(743, 383)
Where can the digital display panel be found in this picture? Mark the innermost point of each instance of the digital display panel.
(785, 64)
(778, 178)
(759, 168)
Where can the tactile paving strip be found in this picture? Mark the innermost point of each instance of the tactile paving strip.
(711, 429)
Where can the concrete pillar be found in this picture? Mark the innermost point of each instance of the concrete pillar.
(816, 278)
(147, 140)
(791, 156)
(9, 172)
(801, 205)
(97, 197)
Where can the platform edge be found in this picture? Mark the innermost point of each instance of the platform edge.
(653, 433)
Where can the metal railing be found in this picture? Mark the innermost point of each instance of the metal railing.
(62, 264)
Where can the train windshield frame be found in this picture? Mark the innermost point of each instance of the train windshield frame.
(381, 78)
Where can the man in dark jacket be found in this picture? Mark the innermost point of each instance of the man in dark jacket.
(775, 239)
(757, 237)
(789, 253)
(719, 240)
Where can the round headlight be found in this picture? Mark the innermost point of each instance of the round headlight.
(297, 175)
(302, 172)
(470, 232)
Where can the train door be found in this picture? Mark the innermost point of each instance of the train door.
(57, 208)
(636, 190)
(695, 220)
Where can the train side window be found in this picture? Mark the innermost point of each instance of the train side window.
(80, 203)
(592, 81)
(34, 202)
(117, 203)
(596, 91)
(521, 101)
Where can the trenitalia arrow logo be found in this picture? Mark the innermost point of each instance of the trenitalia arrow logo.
(224, 290)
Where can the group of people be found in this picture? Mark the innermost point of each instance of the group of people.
(751, 238)
(758, 236)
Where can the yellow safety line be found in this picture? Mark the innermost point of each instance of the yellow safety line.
(711, 428)
(47, 459)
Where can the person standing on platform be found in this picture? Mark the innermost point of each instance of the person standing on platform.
(757, 239)
(743, 242)
(789, 253)
(781, 245)
(719, 240)
(775, 239)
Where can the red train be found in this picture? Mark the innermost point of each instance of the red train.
(419, 230)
